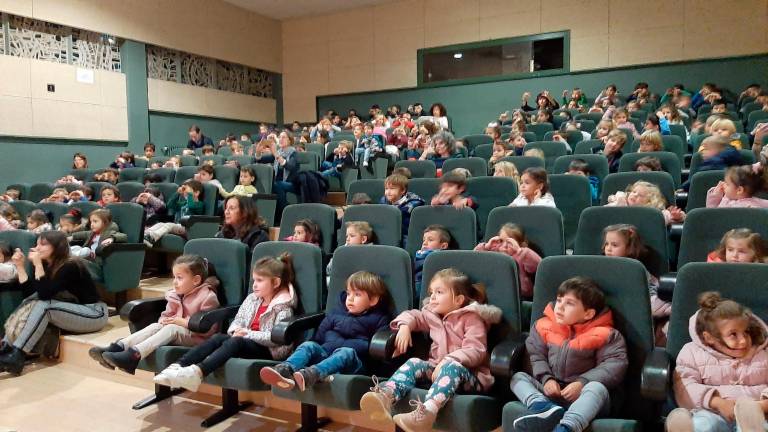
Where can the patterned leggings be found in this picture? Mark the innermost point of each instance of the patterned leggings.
(452, 378)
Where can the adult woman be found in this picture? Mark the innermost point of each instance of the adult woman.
(64, 295)
(242, 222)
(79, 161)
(443, 147)
(286, 168)
(439, 115)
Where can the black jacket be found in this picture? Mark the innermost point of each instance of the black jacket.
(253, 237)
(72, 278)
(204, 140)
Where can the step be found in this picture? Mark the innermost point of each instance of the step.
(336, 199)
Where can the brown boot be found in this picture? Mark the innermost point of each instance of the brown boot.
(749, 416)
(679, 420)
(418, 420)
(378, 402)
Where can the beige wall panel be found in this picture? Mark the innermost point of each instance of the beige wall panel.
(582, 18)
(491, 8)
(63, 76)
(303, 31)
(725, 28)
(350, 79)
(17, 7)
(306, 57)
(445, 11)
(589, 52)
(305, 82)
(114, 123)
(704, 11)
(113, 89)
(395, 75)
(15, 115)
(64, 119)
(300, 108)
(350, 25)
(357, 52)
(15, 79)
(397, 46)
(628, 16)
(395, 16)
(510, 25)
(646, 46)
(166, 95)
(439, 33)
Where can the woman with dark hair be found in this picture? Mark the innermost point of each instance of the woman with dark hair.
(439, 115)
(79, 161)
(242, 222)
(63, 293)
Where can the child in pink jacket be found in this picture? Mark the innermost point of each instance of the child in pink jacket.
(457, 319)
(738, 190)
(193, 291)
(511, 241)
(722, 375)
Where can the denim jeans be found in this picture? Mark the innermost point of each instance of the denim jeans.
(341, 360)
(362, 154)
(281, 189)
(593, 400)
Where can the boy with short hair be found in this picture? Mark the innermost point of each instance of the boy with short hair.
(340, 344)
(396, 194)
(612, 149)
(581, 167)
(452, 188)
(716, 154)
(576, 356)
(149, 151)
(342, 159)
(207, 174)
(436, 237)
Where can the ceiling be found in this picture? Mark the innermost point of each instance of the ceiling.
(284, 9)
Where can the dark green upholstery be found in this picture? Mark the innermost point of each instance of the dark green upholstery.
(316, 148)
(131, 174)
(241, 160)
(53, 210)
(84, 174)
(224, 151)
(625, 286)
(129, 190)
(307, 267)
(175, 244)
(216, 159)
(189, 160)
(167, 189)
(321, 214)
(540, 129)
(669, 163)
(619, 182)
(379, 170)
(23, 208)
(484, 151)
(184, 173)
(264, 177)
(461, 224)
(757, 116)
(585, 147)
(595, 117)
(648, 221)
(167, 174)
(543, 227)
(38, 191)
(96, 186)
(530, 136)
(308, 161)
(228, 176)
(385, 219)
(490, 193)
(472, 141)
(598, 165)
(477, 166)
(374, 188)
(572, 195)
(418, 168)
(678, 130)
(426, 188)
(552, 150)
(86, 207)
(393, 265)
(120, 269)
(10, 293)
(704, 228)
(701, 182)
(573, 137)
(696, 141)
(524, 162)
(159, 159)
(747, 157)
(587, 125)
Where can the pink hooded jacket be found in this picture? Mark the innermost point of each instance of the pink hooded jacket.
(461, 335)
(715, 198)
(201, 298)
(527, 262)
(701, 371)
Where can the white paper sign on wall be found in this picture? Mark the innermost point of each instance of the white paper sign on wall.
(85, 76)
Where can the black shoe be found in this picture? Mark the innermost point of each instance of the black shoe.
(13, 362)
(5, 347)
(97, 353)
(306, 377)
(278, 375)
(126, 360)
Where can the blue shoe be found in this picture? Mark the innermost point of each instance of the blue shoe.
(545, 417)
(562, 428)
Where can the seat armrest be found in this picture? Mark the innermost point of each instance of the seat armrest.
(667, 286)
(506, 355)
(142, 312)
(382, 345)
(203, 322)
(675, 231)
(289, 331)
(655, 376)
(681, 199)
(264, 196)
(105, 251)
(188, 221)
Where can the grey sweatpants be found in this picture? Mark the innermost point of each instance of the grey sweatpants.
(72, 317)
(593, 400)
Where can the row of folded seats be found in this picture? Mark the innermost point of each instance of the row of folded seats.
(635, 406)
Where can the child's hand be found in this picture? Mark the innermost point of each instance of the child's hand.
(402, 341)
(18, 258)
(107, 242)
(537, 194)
(459, 203)
(526, 96)
(179, 321)
(514, 246)
(572, 391)
(676, 214)
(552, 389)
(241, 332)
(724, 407)
(720, 187)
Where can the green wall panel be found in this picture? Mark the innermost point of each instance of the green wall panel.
(169, 129)
(134, 65)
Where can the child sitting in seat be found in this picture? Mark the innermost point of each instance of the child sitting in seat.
(396, 193)
(109, 194)
(108, 175)
(738, 190)
(123, 160)
(71, 222)
(59, 194)
(452, 188)
(721, 376)
(648, 163)
(340, 344)
(603, 128)
(273, 299)
(612, 149)
(511, 241)
(506, 169)
(154, 204)
(193, 291)
(576, 355)
(581, 167)
(245, 187)
(500, 151)
(516, 142)
(435, 237)
(103, 232)
(206, 174)
(716, 154)
(645, 194)
(620, 118)
(534, 189)
(9, 219)
(725, 128)
(10, 195)
(457, 319)
(650, 141)
(38, 222)
(740, 245)
(367, 146)
(187, 201)
(8, 272)
(305, 231)
(342, 159)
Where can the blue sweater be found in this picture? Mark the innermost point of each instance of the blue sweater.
(341, 329)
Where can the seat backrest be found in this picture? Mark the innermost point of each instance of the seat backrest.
(20, 239)
(704, 229)
(598, 164)
(573, 137)
(419, 168)
(572, 195)
(24, 207)
(225, 151)
(159, 159)
(129, 217)
(228, 257)
(307, 267)
(648, 221)
(129, 190)
(701, 182)
(669, 163)
(97, 186)
(490, 193)
(747, 158)
(184, 173)
(498, 274)
(385, 219)
(540, 129)
(472, 141)
(132, 174)
(317, 148)
(167, 174)
(524, 162)
(210, 197)
(228, 176)
(321, 214)
(392, 264)
(264, 177)
(619, 182)
(595, 117)
(477, 166)
(426, 188)
(216, 159)
(461, 224)
(84, 175)
(738, 282)
(754, 117)
(696, 141)
(673, 144)
(587, 125)
(543, 227)
(586, 146)
(552, 150)
(530, 136)
(374, 188)
(188, 160)
(484, 151)
(679, 130)
(38, 191)
(624, 284)
(308, 161)
(54, 209)
(241, 160)
(86, 207)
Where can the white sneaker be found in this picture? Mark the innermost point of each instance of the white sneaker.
(365, 164)
(187, 378)
(167, 375)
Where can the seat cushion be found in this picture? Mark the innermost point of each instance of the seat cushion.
(514, 410)
(171, 243)
(461, 413)
(343, 392)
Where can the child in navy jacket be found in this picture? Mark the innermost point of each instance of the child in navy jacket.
(340, 344)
